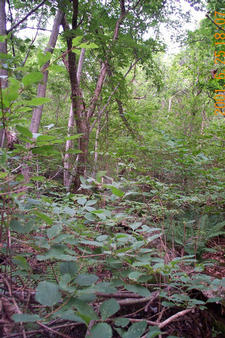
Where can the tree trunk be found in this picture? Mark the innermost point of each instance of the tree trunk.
(41, 92)
(3, 72)
(69, 143)
(82, 115)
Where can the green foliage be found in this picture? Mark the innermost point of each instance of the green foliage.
(142, 231)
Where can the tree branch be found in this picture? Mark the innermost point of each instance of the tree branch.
(26, 16)
(215, 23)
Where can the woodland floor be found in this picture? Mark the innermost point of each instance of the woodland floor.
(196, 324)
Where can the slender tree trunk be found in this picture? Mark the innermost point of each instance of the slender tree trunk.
(3, 72)
(69, 143)
(82, 115)
(96, 147)
(41, 92)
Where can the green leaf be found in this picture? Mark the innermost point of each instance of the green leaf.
(11, 93)
(44, 217)
(22, 226)
(86, 279)
(116, 191)
(70, 268)
(44, 150)
(140, 290)
(153, 332)
(134, 275)
(108, 308)
(70, 315)
(85, 311)
(38, 101)
(24, 131)
(43, 58)
(121, 322)
(33, 77)
(54, 231)
(47, 293)
(101, 330)
(86, 45)
(3, 38)
(21, 262)
(25, 318)
(81, 201)
(136, 330)
(76, 41)
(73, 137)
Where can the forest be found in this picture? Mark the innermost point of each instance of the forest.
(112, 199)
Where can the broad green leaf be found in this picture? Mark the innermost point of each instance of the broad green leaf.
(153, 332)
(81, 201)
(140, 290)
(91, 202)
(86, 45)
(21, 225)
(11, 93)
(135, 225)
(38, 178)
(116, 191)
(86, 279)
(76, 41)
(101, 330)
(68, 268)
(108, 308)
(47, 293)
(134, 275)
(44, 217)
(54, 231)
(56, 68)
(33, 77)
(38, 101)
(25, 318)
(122, 322)
(70, 315)
(44, 150)
(136, 330)
(85, 311)
(45, 138)
(3, 38)
(43, 58)
(74, 137)
(21, 261)
(24, 131)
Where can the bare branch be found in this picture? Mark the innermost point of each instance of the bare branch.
(26, 16)
(222, 29)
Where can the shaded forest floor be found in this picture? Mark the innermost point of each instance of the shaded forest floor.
(120, 254)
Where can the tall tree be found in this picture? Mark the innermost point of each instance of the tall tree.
(41, 92)
(123, 23)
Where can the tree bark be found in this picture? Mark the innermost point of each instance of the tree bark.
(69, 143)
(41, 92)
(82, 116)
(3, 72)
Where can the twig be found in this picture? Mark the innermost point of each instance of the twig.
(26, 16)
(215, 23)
(52, 331)
(172, 318)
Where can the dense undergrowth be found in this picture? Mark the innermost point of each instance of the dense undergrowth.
(119, 259)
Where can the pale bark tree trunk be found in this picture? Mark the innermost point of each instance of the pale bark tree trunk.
(41, 92)
(3, 72)
(98, 129)
(69, 143)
